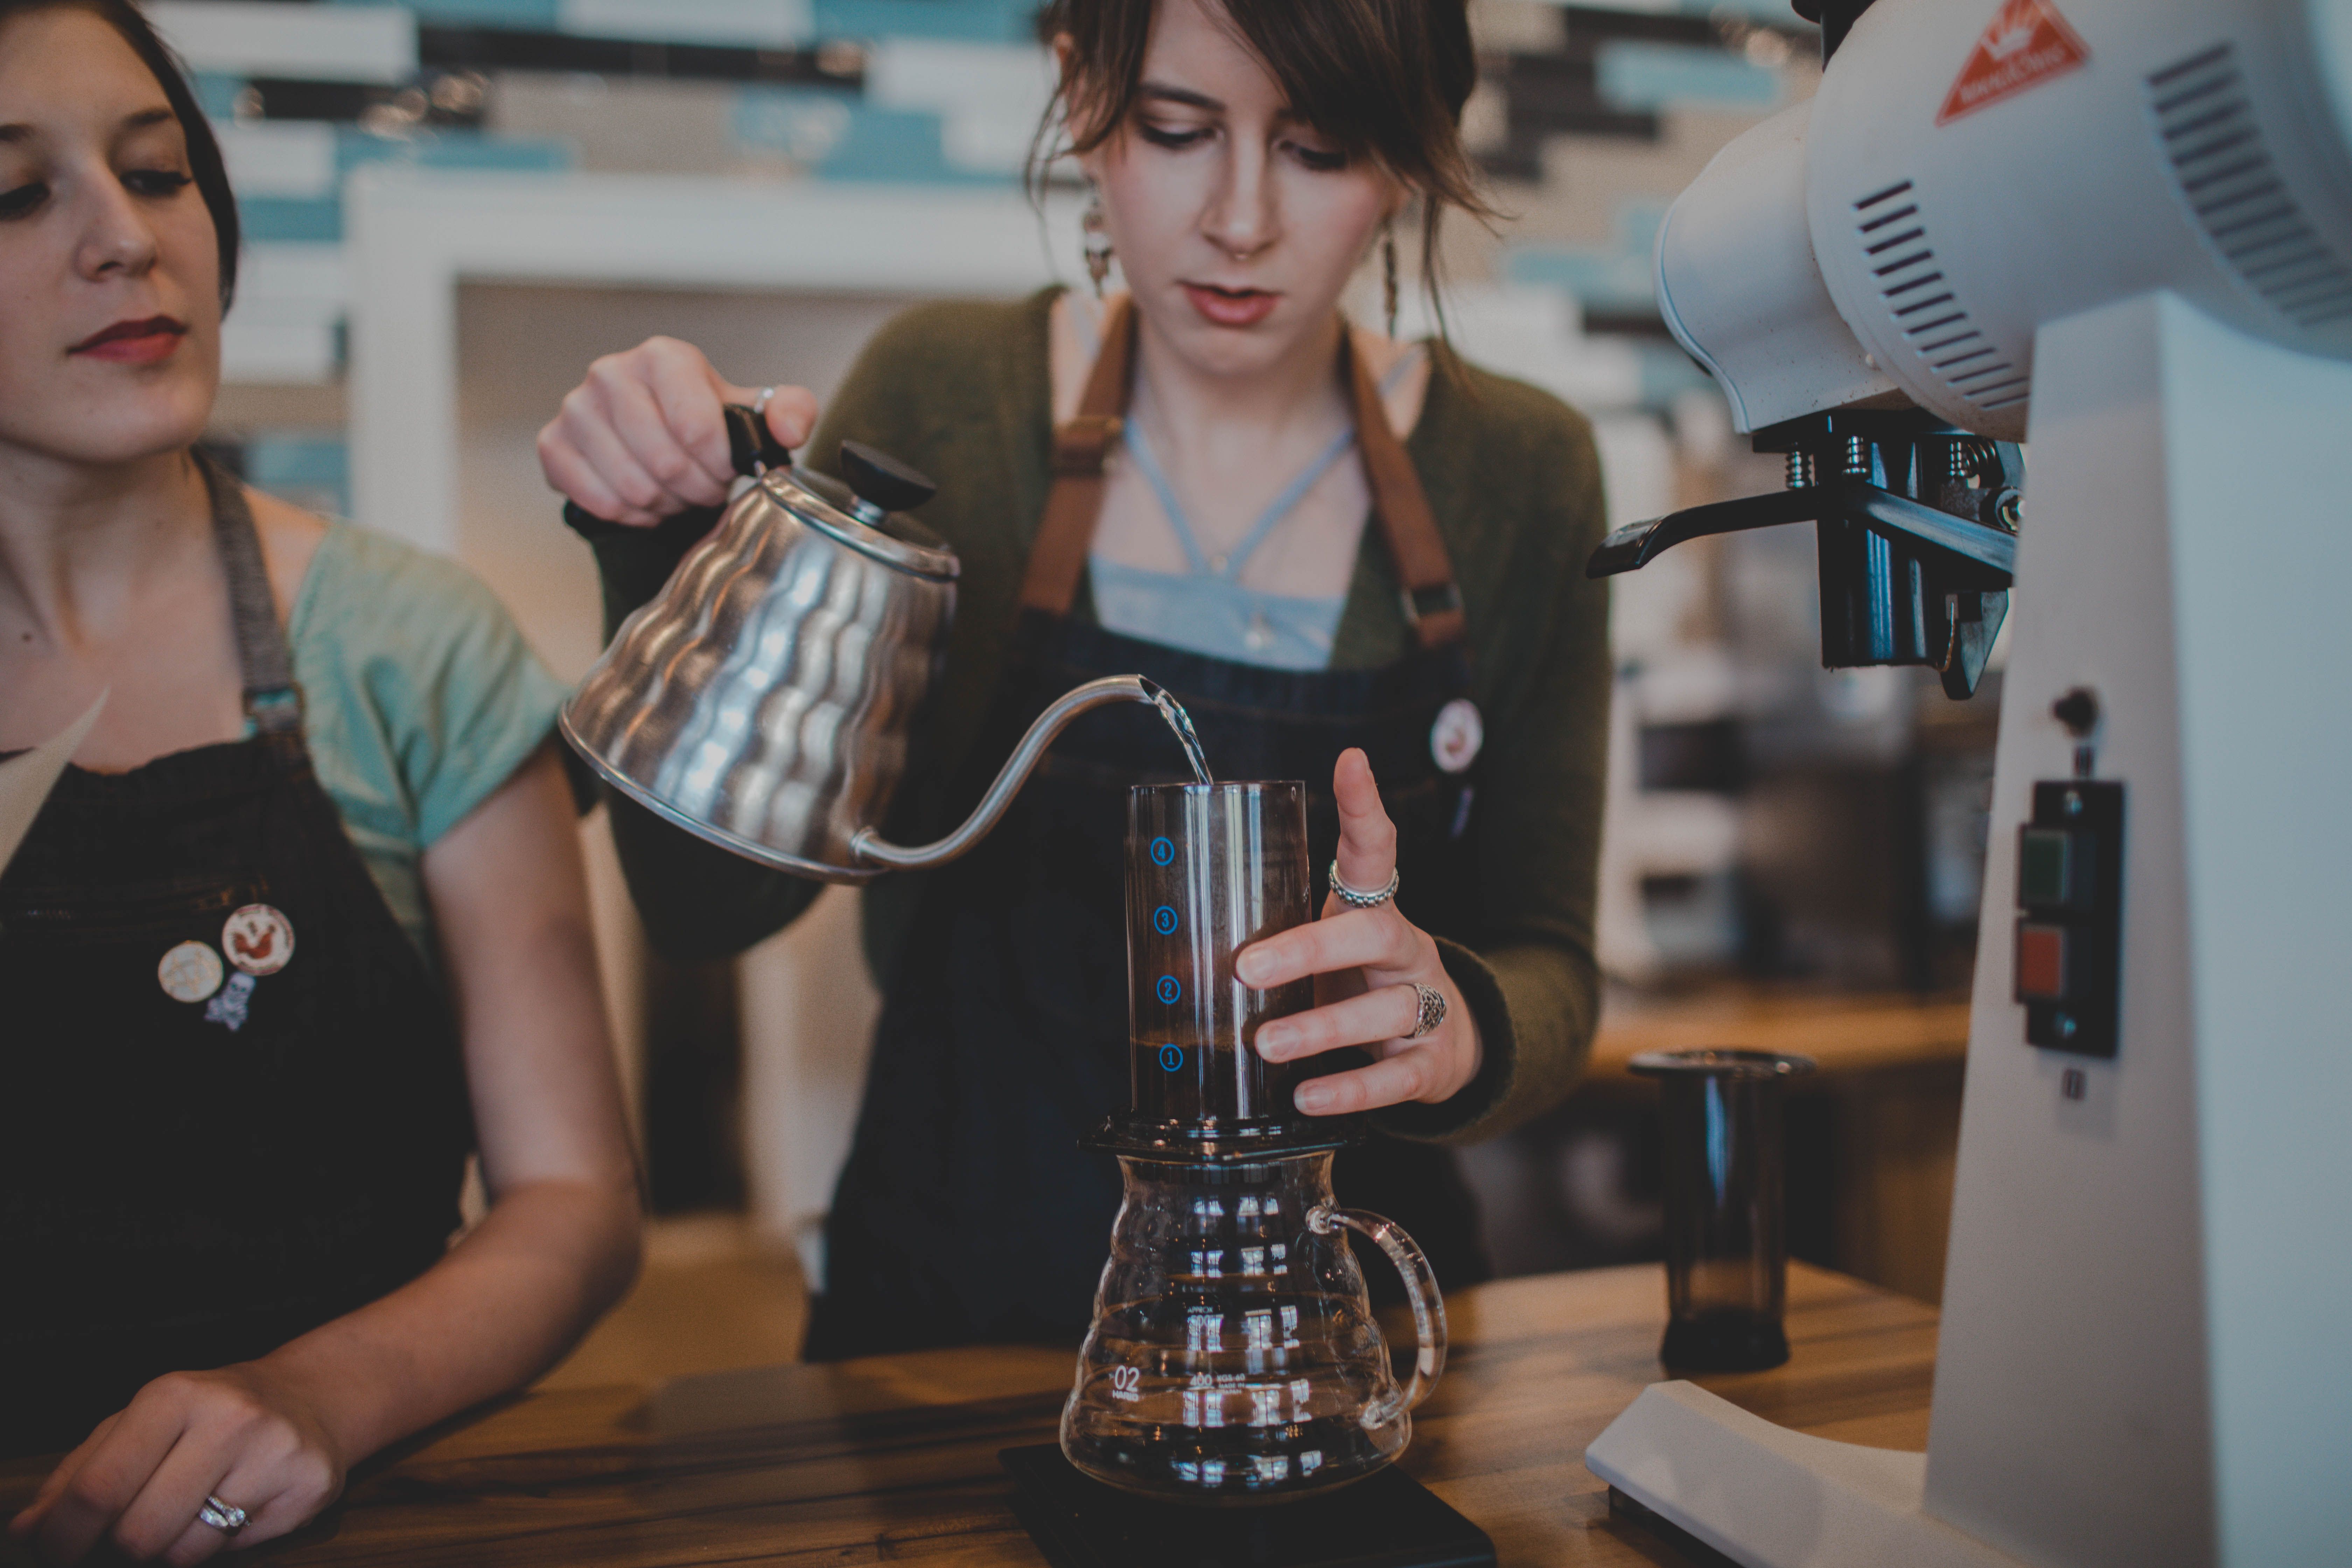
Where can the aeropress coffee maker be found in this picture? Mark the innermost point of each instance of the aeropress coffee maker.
(1234, 1385)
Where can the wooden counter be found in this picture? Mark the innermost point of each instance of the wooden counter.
(894, 1458)
(1854, 1034)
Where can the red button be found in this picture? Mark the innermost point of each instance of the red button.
(2041, 966)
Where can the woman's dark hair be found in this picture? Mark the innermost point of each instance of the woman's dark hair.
(1382, 78)
(203, 149)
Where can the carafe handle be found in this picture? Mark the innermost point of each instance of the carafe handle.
(1420, 1289)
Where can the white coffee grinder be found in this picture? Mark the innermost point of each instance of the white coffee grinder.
(2124, 229)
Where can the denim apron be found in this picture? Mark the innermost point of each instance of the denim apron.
(237, 1102)
(967, 1212)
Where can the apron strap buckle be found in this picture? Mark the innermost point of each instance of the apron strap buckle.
(1082, 442)
(275, 710)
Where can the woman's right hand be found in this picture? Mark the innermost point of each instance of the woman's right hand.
(643, 439)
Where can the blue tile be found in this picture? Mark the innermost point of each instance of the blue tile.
(841, 138)
(534, 16)
(310, 470)
(216, 94)
(1643, 76)
(452, 150)
(290, 217)
(980, 21)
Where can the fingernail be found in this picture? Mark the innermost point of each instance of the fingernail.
(1253, 967)
(1275, 1040)
(1313, 1097)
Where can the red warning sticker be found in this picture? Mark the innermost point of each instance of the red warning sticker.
(2026, 44)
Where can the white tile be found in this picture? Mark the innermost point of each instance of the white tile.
(989, 96)
(774, 24)
(278, 352)
(278, 157)
(319, 43)
(294, 271)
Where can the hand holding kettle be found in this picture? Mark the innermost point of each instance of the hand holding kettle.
(644, 437)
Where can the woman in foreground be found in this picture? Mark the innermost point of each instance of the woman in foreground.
(1330, 545)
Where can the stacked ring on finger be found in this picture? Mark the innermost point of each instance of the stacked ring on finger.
(1355, 898)
(225, 1517)
(1433, 1010)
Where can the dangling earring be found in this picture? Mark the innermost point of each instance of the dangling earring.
(1097, 244)
(1389, 273)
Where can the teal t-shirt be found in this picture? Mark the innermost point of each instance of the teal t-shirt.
(420, 698)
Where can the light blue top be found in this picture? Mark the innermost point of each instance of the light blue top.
(420, 698)
(1207, 610)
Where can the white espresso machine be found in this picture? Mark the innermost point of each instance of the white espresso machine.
(2122, 229)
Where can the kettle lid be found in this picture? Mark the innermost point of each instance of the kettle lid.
(868, 512)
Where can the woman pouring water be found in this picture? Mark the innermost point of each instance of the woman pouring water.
(1326, 543)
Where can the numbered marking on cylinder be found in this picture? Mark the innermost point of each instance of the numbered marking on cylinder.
(1163, 920)
(1171, 990)
(1124, 1381)
(1162, 851)
(1171, 1057)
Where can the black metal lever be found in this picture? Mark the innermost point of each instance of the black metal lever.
(1638, 543)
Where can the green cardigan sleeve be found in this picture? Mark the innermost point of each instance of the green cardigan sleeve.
(1514, 480)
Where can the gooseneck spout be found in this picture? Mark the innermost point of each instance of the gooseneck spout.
(872, 847)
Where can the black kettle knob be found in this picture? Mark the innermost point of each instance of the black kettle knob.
(752, 447)
(881, 480)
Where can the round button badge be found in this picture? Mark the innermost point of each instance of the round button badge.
(191, 971)
(1163, 920)
(258, 940)
(1457, 736)
(1170, 989)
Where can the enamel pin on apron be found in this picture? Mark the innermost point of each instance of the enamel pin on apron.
(191, 971)
(259, 941)
(1457, 737)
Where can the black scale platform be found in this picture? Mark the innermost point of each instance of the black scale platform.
(1388, 1520)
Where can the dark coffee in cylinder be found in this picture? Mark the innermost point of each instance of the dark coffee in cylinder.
(1212, 867)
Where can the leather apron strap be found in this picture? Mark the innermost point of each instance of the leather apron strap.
(264, 662)
(1431, 599)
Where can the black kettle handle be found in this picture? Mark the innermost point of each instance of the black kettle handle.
(751, 446)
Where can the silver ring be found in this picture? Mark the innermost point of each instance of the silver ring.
(227, 1518)
(1433, 1010)
(760, 404)
(1360, 899)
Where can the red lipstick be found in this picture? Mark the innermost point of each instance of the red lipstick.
(143, 342)
(1231, 307)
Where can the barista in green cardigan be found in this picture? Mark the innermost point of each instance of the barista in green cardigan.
(1282, 476)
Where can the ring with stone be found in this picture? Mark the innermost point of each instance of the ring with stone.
(1355, 898)
(760, 404)
(225, 1517)
(1433, 1010)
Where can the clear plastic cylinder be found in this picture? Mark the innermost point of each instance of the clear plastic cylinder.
(1210, 869)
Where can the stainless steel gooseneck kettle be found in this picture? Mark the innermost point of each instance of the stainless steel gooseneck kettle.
(763, 699)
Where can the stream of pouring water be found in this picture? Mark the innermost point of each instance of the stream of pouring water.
(1181, 723)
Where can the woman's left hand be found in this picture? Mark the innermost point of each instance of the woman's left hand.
(244, 1434)
(1366, 964)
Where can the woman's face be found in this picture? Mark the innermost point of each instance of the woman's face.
(109, 268)
(1237, 225)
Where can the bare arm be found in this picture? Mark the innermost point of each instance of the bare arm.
(276, 1435)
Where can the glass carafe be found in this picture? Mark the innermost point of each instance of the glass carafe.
(1234, 1357)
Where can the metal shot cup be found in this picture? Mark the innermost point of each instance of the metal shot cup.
(1726, 1211)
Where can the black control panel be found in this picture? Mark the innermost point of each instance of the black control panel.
(2070, 885)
